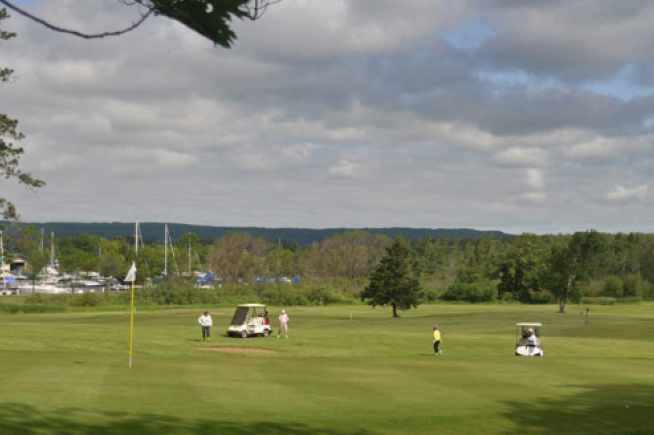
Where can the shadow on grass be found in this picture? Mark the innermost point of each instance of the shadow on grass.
(27, 420)
(598, 409)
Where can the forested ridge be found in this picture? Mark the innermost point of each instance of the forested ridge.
(154, 231)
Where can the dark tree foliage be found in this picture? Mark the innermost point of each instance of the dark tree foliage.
(391, 282)
(570, 266)
(521, 267)
(210, 18)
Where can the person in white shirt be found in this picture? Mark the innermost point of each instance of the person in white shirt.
(532, 340)
(283, 324)
(205, 321)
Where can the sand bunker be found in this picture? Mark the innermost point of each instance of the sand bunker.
(238, 350)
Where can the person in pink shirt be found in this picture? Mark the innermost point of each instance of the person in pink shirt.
(283, 324)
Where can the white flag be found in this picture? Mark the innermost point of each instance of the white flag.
(131, 275)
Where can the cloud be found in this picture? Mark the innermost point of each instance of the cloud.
(535, 197)
(623, 194)
(345, 28)
(571, 41)
(535, 180)
(344, 168)
(518, 156)
(485, 113)
(607, 149)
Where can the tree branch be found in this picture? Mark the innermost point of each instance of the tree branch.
(258, 8)
(74, 32)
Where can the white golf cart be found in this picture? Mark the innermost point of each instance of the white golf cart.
(528, 339)
(250, 320)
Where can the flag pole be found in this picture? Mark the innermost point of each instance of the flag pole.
(131, 328)
(131, 276)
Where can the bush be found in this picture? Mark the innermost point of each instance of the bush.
(30, 309)
(541, 297)
(178, 293)
(648, 291)
(613, 287)
(631, 300)
(508, 297)
(35, 299)
(603, 300)
(471, 292)
(633, 286)
(324, 295)
(89, 300)
(284, 295)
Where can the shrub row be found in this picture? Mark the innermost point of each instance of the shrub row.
(183, 293)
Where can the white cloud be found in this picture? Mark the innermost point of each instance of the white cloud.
(535, 197)
(344, 168)
(535, 180)
(518, 156)
(625, 194)
(603, 149)
(171, 159)
(342, 27)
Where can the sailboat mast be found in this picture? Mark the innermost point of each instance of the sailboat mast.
(136, 237)
(167, 236)
(52, 250)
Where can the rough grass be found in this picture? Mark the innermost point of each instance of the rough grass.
(345, 370)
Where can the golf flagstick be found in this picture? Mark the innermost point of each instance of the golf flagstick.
(131, 276)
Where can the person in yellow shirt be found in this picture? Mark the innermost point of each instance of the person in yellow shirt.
(437, 341)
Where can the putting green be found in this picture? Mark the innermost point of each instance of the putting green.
(344, 370)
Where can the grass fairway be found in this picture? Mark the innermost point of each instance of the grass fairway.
(337, 374)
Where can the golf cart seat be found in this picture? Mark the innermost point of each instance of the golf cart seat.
(525, 342)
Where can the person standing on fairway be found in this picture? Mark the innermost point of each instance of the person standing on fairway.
(205, 321)
(283, 324)
(437, 341)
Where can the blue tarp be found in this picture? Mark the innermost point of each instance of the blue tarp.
(206, 278)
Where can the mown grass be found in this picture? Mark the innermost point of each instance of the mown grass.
(345, 370)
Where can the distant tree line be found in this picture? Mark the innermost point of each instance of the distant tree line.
(154, 232)
(526, 268)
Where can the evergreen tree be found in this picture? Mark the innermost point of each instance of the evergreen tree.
(391, 282)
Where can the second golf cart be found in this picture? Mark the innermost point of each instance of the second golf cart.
(250, 320)
(528, 339)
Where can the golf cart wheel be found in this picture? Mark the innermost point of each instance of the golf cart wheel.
(244, 334)
(266, 333)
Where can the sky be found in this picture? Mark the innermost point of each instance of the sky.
(511, 115)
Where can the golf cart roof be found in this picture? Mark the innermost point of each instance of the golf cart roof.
(528, 324)
(252, 305)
